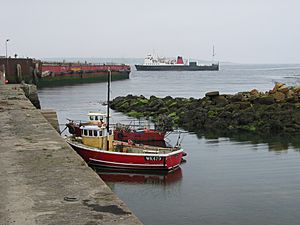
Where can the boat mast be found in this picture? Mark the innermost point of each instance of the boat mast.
(213, 55)
(108, 105)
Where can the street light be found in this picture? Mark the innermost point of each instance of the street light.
(7, 40)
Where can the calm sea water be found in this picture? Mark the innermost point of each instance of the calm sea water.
(240, 180)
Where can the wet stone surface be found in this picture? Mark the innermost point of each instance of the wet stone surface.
(42, 180)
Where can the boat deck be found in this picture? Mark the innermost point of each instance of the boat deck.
(124, 147)
(144, 149)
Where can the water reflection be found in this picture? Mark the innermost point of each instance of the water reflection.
(140, 177)
(228, 179)
(276, 143)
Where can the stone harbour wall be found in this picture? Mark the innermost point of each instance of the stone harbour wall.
(43, 180)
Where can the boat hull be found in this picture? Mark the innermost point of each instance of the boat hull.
(79, 78)
(129, 161)
(213, 67)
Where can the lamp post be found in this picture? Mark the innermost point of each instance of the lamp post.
(6, 41)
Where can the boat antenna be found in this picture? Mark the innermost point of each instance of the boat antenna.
(178, 139)
(213, 55)
(181, 140)
(108, 105)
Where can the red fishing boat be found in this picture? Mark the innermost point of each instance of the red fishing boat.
(98, 147)
(125, 133)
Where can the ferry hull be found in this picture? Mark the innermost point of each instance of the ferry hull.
(126, 161)
(213, 67)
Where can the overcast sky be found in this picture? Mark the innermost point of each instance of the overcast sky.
(242, 31)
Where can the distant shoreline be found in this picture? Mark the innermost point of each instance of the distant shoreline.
(139, 60)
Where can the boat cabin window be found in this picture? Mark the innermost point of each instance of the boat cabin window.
(96, 118)
(92, 133)
(85, 132)
(95, 133)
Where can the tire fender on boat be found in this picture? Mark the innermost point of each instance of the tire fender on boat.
(71, 128)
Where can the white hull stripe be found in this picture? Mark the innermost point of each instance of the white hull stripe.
(126, 164)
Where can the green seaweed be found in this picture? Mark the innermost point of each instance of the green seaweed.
(135, 114)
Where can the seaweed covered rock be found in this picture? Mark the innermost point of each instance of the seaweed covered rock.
(276, 111)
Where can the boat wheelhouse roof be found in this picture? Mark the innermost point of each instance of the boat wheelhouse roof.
(90, 127)
(96, 114)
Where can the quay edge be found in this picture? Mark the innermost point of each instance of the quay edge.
(42, 180)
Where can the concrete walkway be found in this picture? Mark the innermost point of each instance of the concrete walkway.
(42, 180)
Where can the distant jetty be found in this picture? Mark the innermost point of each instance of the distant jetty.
(273, 112)
(56, 74)
(43, 74)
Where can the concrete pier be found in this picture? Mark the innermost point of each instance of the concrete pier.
(42, 180)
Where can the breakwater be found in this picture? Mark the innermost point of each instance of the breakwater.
(42, 180)
(276, 111)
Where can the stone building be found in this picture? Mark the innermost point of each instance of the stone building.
(18, 69)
